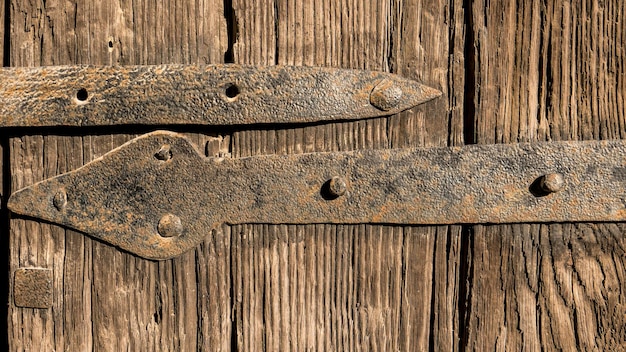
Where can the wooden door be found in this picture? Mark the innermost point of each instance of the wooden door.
(509, 72)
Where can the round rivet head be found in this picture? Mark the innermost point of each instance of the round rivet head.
(337, 186)
(386, 95)
(164, 154)
(170, 225)
(552, 182)
(60, 200)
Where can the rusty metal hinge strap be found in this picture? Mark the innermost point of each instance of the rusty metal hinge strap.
(199, 95)
(156, 196)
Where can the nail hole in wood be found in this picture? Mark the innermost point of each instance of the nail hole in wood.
(232, 91)
(82, 94)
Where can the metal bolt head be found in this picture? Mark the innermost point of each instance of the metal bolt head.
(164, 154)
(337, 186)
(170, 225)
(60, 200)
(386, 95)
(553, 182)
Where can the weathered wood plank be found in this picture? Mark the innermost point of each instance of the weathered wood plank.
(427, 45)
(4, 213)
(550, 70)
(4, 242)
(548, 286)
(329, 287)
(106, 299)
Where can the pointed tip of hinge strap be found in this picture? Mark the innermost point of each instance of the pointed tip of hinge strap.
(17, 202)
(31, 201)
(395, 94)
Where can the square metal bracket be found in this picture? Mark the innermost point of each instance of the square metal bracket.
(32, 288)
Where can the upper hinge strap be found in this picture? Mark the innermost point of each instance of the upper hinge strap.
(199, 95)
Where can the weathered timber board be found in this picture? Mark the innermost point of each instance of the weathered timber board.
(547, 71)
(358, 287)
(105, 299)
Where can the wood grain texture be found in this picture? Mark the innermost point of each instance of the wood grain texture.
(106, 299)
(528, 71)
(327, 287)
(4, 195)
(336, 287)
(554, 287)
(551, 70)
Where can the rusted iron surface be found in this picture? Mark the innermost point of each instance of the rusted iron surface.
(32, 288)
(157, 197)
(199, 95)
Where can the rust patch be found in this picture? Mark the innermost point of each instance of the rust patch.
(200, 95)
(32, 288)
(157, 196)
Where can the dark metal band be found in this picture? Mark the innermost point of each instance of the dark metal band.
(157, 197)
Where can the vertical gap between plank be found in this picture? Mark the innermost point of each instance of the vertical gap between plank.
(6, 59)
(433, 291)
(229, 57)
(464, 299)
(234, 346)
(276, 35)
(469, 53)
(231, 30)
(469, 137)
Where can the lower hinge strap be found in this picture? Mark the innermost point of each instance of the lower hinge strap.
(157, 196)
